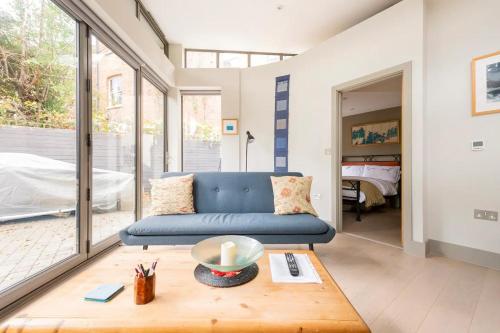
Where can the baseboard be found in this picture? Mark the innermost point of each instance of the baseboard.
(464, 253)
(418, 249)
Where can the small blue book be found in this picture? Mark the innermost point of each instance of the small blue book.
(104, 292)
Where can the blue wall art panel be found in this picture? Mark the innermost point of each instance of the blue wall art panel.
(281, 124)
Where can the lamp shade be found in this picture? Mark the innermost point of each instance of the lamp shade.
(250, 137)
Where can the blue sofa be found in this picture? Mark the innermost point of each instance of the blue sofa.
(230, 203)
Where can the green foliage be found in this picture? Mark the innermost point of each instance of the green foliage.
(153, 127)
(206, 132)
(203, 123)
(37, 65)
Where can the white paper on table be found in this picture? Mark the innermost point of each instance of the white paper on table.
(281, 274)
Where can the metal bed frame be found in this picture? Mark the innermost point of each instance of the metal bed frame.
(356, 184)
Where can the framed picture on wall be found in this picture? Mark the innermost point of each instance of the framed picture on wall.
(375, 133)
(229, 126)
(486, 84)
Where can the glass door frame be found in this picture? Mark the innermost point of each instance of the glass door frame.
(141, 71)
(88, 22)
(93, 249)
(153, 79)
(23, 288)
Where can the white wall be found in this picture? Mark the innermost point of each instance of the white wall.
(390, 38)
(457, 179)
(228, 81)
(119, 15)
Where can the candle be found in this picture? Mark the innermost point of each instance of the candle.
(228, 253)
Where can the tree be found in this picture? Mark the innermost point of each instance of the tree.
(38, 64)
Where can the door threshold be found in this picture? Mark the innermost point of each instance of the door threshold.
(372, 240)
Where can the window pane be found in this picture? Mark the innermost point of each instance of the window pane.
(201, 131)
(199, 59)
(113, 150)
(38, 139)
(233, 60)
(287, 57)
(262, 59)
(153, 165)
(115, 91)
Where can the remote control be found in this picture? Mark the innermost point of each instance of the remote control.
(292, 264)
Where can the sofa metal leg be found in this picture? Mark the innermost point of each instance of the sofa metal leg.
(311, 247)
(144, 247)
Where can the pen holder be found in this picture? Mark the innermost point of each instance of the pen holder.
(144, 289)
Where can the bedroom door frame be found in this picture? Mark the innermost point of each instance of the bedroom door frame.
(405, 70)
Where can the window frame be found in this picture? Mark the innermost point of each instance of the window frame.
(281, 58)
(146, 74)
(202, 51)
(140, 10)
(193, 93)
(88, 23)
(218, 52)
(110, 80)
(245, 56)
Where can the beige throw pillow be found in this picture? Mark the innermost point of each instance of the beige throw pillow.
(292, 195)
(172, 195)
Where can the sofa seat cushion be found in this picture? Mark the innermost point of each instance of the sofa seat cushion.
(227, 224)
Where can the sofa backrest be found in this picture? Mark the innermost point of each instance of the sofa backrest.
(233, 192)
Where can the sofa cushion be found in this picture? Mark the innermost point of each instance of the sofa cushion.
(292, 195)
(227, 224)
(233, 192)
(173, 195)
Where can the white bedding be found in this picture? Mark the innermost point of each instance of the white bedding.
(385, 187)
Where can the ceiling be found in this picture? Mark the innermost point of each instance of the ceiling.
(258, 25)
(377, 96)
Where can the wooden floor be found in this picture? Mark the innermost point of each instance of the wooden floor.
(382, 224)
(395, 292)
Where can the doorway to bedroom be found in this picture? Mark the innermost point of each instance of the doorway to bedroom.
(370, 160)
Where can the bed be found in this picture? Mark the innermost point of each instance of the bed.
(370, 182)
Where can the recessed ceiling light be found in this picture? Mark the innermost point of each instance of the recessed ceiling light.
(279, 7)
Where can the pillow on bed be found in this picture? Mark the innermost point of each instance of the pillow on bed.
(352, 170)
(388, 173)
(292, 195)
(172, 195)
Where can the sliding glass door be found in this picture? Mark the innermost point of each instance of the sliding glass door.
(153, 139)
(77, 149)
(113, 142)
(39, 159)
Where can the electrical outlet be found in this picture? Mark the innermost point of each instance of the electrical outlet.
(316, 196)
(487, 215)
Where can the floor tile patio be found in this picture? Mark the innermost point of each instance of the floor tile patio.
(30, 246)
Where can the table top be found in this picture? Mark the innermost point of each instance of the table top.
(184, 305)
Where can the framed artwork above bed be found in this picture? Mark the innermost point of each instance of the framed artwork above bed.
(386, 132)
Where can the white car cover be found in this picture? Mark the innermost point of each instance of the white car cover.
(32, 185)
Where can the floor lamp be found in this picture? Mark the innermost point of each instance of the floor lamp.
(250, 139)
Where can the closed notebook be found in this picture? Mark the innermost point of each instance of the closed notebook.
(104, 292)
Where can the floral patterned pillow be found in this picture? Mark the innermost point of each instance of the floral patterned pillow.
(172, 195)
(292, 195)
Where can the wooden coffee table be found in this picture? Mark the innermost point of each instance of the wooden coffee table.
(184, 305)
